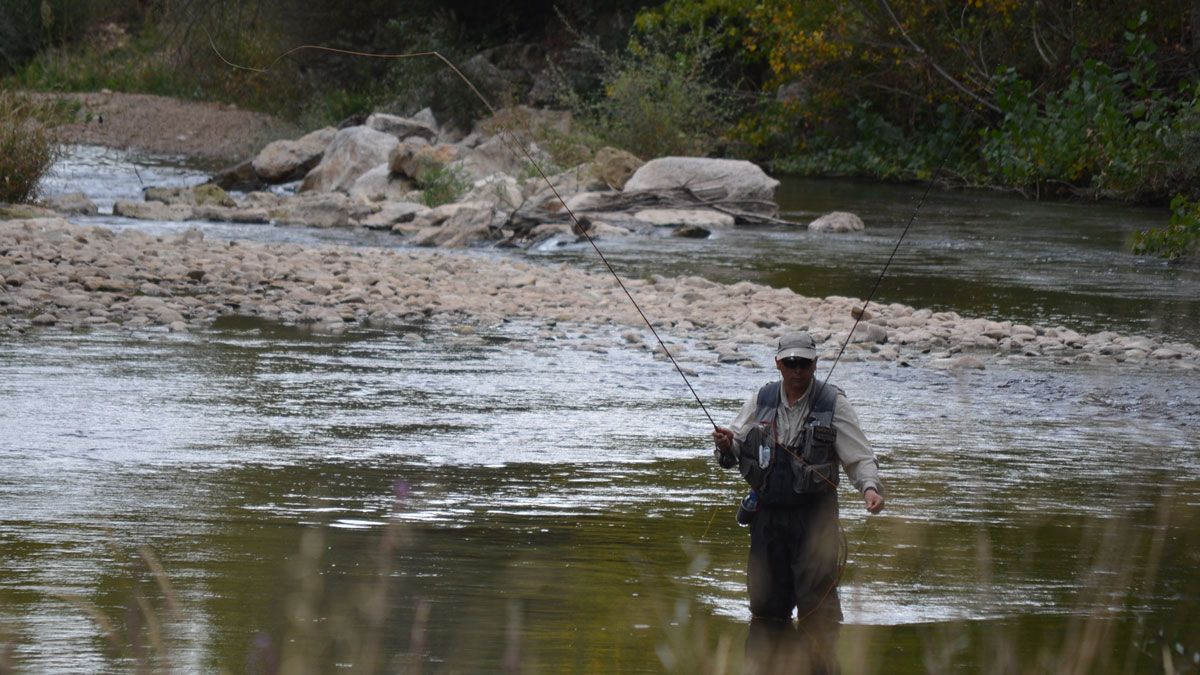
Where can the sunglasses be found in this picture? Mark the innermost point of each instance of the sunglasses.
(794, 362)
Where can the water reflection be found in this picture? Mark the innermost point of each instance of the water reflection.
(574, 484)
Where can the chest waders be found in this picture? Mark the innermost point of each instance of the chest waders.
(794, 535)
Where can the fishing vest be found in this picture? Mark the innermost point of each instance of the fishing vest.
(792, 474)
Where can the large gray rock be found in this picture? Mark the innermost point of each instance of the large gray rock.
(496, 156)
(572, 181)
(403, 127)
(314, 210)
(392, 213)
(230, 215)
(74, 203)
(466, 226)
(353, 152)
(288, 160)
(736, 183)
(499, 190)
(199, 195)
(379, 185)
(837, 221)
(152, 210)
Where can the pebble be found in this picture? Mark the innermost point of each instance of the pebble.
(56, 274)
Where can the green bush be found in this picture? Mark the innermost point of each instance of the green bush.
(1181, 236)
(27, 147)
(662, 96)
(441, 185)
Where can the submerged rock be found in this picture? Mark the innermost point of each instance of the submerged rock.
(838, 222)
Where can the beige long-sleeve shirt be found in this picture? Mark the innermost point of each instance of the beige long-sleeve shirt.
(853, 451)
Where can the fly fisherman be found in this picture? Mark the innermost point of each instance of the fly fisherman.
(788, 447)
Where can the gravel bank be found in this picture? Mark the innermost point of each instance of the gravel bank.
(56, 274)
(209, 132)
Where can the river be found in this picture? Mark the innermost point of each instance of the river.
(515, 497)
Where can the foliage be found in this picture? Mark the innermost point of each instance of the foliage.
(662, 95)
(441, 185)
(1093, 98)
(27, 147)
(1178, 239)
(171, 56)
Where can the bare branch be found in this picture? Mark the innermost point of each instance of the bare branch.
(934, 64)
(1037, 42)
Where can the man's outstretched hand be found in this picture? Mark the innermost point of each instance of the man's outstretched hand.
(873, 500)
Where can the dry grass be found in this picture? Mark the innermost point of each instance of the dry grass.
(27, 146)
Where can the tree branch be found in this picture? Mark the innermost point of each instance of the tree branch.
(934, 64)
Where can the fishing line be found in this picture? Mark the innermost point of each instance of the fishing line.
(521, 147)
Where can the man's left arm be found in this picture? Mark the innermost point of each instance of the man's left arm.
(856, 455)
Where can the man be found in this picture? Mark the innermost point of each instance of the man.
(787, 442)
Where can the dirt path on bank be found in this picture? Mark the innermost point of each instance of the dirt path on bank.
(210, 132)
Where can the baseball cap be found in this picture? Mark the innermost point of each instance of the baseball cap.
(798, 344)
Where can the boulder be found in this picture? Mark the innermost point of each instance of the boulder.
(736, 183)
(315, 210)
(869, 333)
(390, 213)
(200, 195)
(466, 226)
(74, 203)
(436, 216)
(152, 210)
(572, 181)
(837, 221)
(403, 127)
(706, 218)
(353, 152)
(415, 158)
(615, 167)
(288, 160)
(499, 190)
(496, 156)
(240, 176)
(425, 116)
(379, 185)
(227, 215)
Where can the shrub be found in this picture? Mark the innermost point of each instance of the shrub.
(441, 185)
(1181, 236)
(27, 147)
(661, 96)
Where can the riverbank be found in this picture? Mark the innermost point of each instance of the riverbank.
(59, 275)
(209, 133)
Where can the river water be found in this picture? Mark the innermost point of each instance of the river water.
(514, 498)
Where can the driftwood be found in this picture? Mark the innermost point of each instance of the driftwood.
(551, 211)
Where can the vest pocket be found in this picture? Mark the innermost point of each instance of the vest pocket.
(815, 478)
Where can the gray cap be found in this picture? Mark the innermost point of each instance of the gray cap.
(798, 344)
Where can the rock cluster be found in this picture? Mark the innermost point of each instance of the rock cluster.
(53, 273)
(389, 172)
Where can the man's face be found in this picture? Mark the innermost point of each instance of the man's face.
(796, 372)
